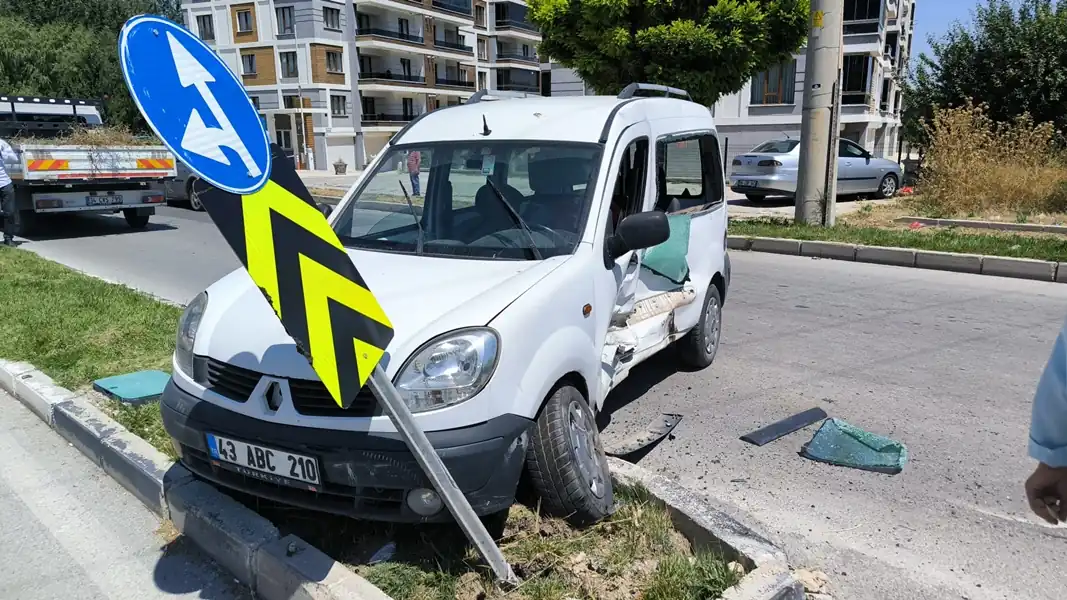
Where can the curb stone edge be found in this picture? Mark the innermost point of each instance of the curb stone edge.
(767, 576)
(236, 537)
(978, 264)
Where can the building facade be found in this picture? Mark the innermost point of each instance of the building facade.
(878, 36)
(335, 79)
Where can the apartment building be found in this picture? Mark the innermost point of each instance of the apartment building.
(878, 36)
(335, 79)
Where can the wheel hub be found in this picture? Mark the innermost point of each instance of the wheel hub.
(583, 442)
(712, 318)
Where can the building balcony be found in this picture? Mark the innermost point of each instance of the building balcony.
(459, 83)
(393, 77)
(380, 119)
(454, 6)
(519, 87)
(862, 27)
(854, 98)
(520, 25)
(393, 35)
(453, 46)
(519, 57)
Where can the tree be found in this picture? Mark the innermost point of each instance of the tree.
(709, 48)
(69, 48)
(1011, 57)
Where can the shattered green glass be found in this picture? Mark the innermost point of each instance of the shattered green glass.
(845, 445)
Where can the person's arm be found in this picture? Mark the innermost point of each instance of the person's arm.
(6, 153)
(1048, 421)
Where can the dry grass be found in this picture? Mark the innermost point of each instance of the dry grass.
(92, 137)
(975, 167)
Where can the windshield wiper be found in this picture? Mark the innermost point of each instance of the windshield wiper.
(418, 244)
(518, 220)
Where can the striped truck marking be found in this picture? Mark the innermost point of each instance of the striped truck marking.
(155, 163)
(298, 263)
(48, 165)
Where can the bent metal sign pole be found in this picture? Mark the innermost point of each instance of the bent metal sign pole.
(200, 110)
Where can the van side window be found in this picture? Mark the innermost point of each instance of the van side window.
(689, 174)
(628, 195)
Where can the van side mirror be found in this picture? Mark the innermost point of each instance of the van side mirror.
(325, 209)
(637, 232)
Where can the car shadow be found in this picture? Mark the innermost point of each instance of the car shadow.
(643, 378)
(67, 226)
(180, 571)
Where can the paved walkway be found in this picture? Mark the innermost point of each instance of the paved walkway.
(71, 533)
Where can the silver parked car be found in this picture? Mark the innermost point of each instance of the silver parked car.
(770, 169)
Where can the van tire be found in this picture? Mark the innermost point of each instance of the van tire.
(567, 468)
(699, 347)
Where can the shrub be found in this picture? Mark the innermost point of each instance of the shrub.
(974, 165)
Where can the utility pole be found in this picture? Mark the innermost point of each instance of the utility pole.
(816, 179)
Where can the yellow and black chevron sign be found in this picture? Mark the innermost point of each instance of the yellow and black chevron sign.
(299, 264)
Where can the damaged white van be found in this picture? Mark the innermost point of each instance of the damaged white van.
(529, 253)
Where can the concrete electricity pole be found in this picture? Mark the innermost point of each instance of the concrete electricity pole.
(814, 199)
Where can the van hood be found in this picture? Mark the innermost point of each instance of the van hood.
(423, 297)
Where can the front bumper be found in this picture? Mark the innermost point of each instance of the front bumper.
(364, 475)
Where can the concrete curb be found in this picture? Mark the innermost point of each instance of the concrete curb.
(1000, 266)
(974, 224)
(768, 575)
(238, 538)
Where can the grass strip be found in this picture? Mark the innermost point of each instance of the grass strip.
(942, 240)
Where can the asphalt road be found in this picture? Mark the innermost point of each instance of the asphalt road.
(946, 363)
(71, 533)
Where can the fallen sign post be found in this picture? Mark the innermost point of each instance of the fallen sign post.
(267, 216)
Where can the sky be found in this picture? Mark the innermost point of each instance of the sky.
(935, 16)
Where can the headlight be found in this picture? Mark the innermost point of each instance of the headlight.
(449, 369)
(187, 326)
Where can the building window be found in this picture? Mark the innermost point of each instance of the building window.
(403, 26)
(338, 106)
(255, 101)
(362, 22)
(289, 67)
(248, 64)
(331, 18)
(405, 66)
(526, 50)
(776, 85)
(205, 24)
(244, 21)
(286, 25)
(368, 106)
(333, 62)
(855, 79)
(863, 10)
(479, 16)
(481, 81)
(409, 108)
(481, 50)
(291, 101)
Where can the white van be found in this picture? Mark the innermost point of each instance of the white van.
(554, 244)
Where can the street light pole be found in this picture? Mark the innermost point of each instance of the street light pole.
(816, 190)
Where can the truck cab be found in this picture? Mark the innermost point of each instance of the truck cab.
(553, 245)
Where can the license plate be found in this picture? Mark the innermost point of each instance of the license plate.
(746, 183)
(103, 200)
(264, 463)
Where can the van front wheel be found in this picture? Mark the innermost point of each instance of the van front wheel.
(566, 463)
(698, 348)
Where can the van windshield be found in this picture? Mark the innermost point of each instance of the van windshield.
(457, 193)
(777, 146)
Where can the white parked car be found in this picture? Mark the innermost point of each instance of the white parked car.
(770, 169)
(547, 256)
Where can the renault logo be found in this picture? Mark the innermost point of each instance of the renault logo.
(273, 395)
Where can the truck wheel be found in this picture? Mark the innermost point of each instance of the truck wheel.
(566, 463)
(135, 220)
(697, 349)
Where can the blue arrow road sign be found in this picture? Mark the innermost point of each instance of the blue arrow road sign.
(195, 104)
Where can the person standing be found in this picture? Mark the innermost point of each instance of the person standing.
(7, 193)
(414, 163)
(1046, 488)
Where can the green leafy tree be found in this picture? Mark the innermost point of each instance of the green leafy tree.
(709, 48)
(1011, 57)
(69, 48)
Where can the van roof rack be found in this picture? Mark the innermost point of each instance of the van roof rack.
(490, 95)
(635, 90)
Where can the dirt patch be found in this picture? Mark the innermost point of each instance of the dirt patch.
(636, 553)
(885, 217)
